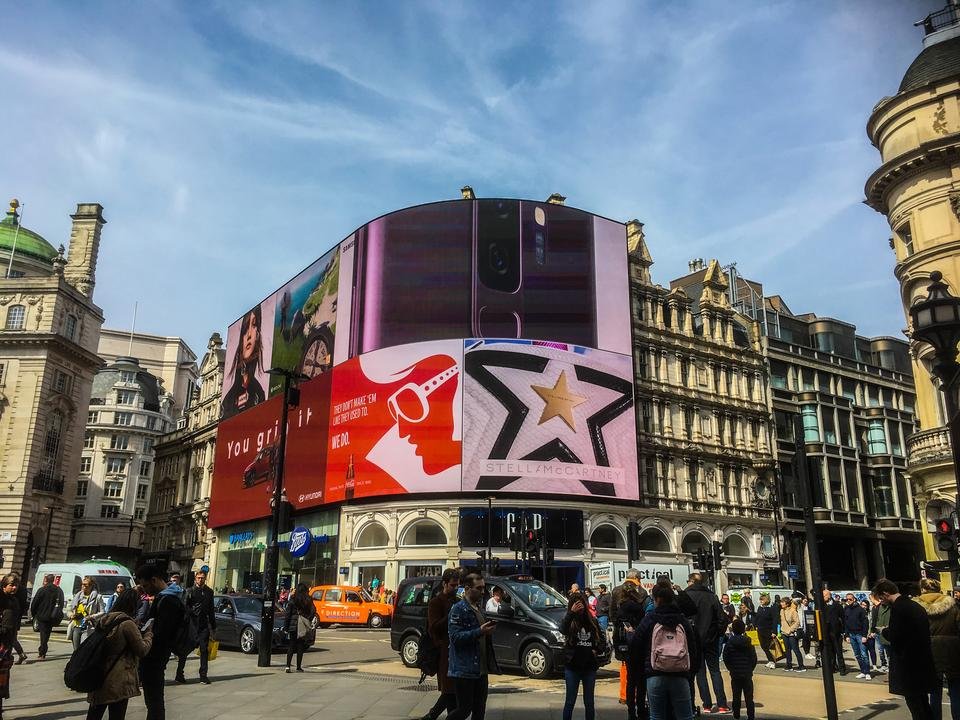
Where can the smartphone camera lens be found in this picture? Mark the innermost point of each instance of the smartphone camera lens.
(499, 260)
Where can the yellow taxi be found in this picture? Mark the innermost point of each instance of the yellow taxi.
(349, 605)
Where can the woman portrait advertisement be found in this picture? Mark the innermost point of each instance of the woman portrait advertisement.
(249, 353)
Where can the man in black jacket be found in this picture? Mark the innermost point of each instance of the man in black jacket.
(167, 615)
(703, 610)
(47, 609)
(833, 632)
(199, 602)
(856, 626)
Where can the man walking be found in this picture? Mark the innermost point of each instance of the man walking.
(833, 632)
(438, 615)
(603, 607)
(856, 625)
(165, 618)
(47, 609)
(709, 621)
(199, 602)
(471, 657)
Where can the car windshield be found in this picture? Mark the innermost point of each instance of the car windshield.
(365, 595)
(535, 594)
(107, 584)
(248, 605)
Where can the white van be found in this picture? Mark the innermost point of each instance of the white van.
(104, 573)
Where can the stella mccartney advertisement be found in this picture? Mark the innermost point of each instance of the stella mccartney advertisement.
(540, 400)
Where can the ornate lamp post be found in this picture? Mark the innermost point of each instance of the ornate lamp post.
(936, 322)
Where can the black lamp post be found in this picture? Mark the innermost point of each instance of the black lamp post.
(936, 322)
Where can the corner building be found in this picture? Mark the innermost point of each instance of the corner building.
(917, 188)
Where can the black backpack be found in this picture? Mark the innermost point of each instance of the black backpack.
(428, 656)
(187, 637)
(87, 668)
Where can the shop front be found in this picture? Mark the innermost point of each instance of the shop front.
(240, 557)
(308, 554)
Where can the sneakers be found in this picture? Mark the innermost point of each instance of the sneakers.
(205, 680)
(803, 669)
(707, 709)
(861, 676)
(810, 657)
(883, 669)
(866, 676)
(771, 665)
(287, 669)
(180, 679)
(301, 670)
(788, 669)
(722, 709)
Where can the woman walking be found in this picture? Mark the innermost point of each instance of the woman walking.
(300, 625)
(945, 640)
(789, 628)
(585, 644)
(765, 620)
(9, 609)
(125, 646)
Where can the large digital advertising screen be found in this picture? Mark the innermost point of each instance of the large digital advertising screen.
(537, 398)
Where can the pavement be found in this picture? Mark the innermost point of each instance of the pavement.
(354, 674)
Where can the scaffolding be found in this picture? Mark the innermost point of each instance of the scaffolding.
(748, 301)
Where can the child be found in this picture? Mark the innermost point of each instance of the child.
(740, 659)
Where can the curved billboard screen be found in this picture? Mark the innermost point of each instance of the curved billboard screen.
(464, 346)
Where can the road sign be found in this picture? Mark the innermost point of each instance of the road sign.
(793, 572)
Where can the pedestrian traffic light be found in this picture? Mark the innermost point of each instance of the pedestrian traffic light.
(548, 556)
(482, 556)
(946, 535)
(530, 543)
(494, 566)
(717, 554)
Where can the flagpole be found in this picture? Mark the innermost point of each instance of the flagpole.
(16, 234)
(133, 327)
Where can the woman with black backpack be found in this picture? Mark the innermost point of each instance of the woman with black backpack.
(585, 645)
(123, 650)
(300, 625)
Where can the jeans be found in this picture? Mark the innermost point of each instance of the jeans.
(75, 634)
(742, 685)
(953, 692)
(573, 679)
(203, 635)
(669, 697)
(711, 662)
(793, 646)
(875, 647)
(603, 621)
(471, 698)
(151, 678)
(860, 652)
(118, 711)
(636, 690)
(45, 629)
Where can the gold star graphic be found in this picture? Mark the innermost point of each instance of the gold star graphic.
(560, 402)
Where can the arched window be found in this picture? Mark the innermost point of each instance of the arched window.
(607, 536)
(16, 315)
(693, 541)
(373, 535)
(736, 546)
(423, 532)
(654, 540)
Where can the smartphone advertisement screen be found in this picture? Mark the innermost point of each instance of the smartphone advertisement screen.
(465, 346)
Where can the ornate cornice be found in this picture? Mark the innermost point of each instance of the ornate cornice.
(931, 155)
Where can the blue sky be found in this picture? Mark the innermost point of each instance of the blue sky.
(233, 143)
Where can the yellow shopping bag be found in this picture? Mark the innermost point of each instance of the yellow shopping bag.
(752, 634)
(213, 646)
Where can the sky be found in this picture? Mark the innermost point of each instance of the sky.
(232, 143)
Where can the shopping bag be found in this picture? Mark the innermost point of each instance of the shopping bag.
(213, 647)
(754, 638)
(776, 649)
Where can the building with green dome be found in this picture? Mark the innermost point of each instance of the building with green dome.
(49, 330)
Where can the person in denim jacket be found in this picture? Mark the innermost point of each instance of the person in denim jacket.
(471, 656)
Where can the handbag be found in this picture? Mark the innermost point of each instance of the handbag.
(777, 650)
(213, 647)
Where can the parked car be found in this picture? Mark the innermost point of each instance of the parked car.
(527, 635)
(238, 622)
(349, 605)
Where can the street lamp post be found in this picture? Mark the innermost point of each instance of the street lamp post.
(272, 559)
(936, 322)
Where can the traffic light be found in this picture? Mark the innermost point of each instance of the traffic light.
(494, 565)
(482, 560)
(717, 554)
(530, 543)
(516, 538)
(946, 535)
(701, 559)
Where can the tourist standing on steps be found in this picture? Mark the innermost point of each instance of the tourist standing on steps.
(944, 616)
(912, 672)
(47, 609)
(438, 614)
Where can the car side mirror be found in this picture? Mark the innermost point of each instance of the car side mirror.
(228, 610)
(506, 610)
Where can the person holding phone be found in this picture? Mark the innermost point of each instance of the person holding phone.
(470, 656)
(585, 644)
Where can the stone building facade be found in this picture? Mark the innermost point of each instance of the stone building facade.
(49, 326)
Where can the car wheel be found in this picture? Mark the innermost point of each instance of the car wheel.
(248, 640)
(536, 661)
(375, 621)
(409, 649)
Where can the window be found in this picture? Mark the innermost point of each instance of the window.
(778, 374)
(123, 418)
(332, 596)
(127, 376)
(147, 445)
(843, 420)
(646, 411)
(113, 489)
(693, 472)
(705, 424)
(109, 511)
(903, 494)
(16, 314)
(688, 414)
(852, 482)
(116, 465)
(92, 418)
(642, 363)
(70, 327)
(883, 495)
(119, 442)
(126, 397)
(823, 341)
(784, 425)
(51, 445)
(85, 463)
(829, 426)
(138, 513)
(876, 438)
(811, 427)
(873, 396)
(906, 238)
(151, 423)
(907, 401)
(684, 372)
(142, 490)
(734, 424)
(78, 511)
(896, 447)
(807, 382)
(88, 439)
(145, 468)
(62, 382)
(82, 486)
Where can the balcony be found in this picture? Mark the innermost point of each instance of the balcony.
(929, 447)
(46, 482)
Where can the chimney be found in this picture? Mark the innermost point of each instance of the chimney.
(556, 199)
(466, 193)
(81, 268)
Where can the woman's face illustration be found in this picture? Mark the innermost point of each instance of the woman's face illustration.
(250, 338)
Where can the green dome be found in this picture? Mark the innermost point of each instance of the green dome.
(28, 242)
